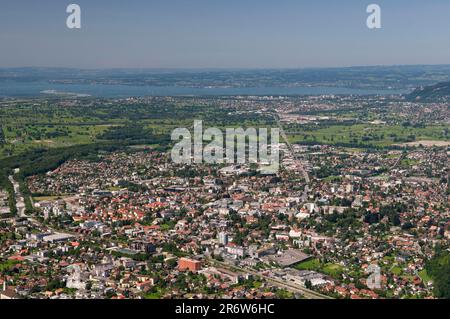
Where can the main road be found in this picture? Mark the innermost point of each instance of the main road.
(20, 201)
(296, 158)
(20, 205)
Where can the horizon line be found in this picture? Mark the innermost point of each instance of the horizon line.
(222, 68)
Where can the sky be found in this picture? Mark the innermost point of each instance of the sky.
(223, 33)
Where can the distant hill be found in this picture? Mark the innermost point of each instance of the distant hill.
(404, 78)
(437, 92)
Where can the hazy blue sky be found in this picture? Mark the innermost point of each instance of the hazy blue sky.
(223, 33)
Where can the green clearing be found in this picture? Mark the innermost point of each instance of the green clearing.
(29, 125)
(157, 293)
(367, 135)
(153, 295)
(20, 139)
(423, 274)
(7, 265)
(311, 264)
(284, 294)
(396, 270)
(167, 227)
(46, 198)
(330, 269)
(257, 284)
(333, 270)
(409, 163)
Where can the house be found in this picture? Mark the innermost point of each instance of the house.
(235, 250)
(8, 292)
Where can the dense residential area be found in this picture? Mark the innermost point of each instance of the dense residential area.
(93, 206)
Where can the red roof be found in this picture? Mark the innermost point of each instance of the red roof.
(18, 258)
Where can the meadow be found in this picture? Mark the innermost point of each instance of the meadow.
(367, 135)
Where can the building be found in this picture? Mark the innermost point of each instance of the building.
(8, 292)
(143, 246)
(75, 280)
(235, 250)
(289, 257)
(58, 237)
(223, 238)
(189, 264)
(256, 252)
(300, 277)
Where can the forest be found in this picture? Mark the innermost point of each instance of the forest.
(439, 269)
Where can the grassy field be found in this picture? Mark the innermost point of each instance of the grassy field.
(424, 276)
(47, 198)
(330, 269)
(367, 134)
(23, 138)
(396, 270)
(155, 295)
(30, 125)
(8, 265)
(39, 123)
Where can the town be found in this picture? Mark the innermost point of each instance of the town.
(363, 182)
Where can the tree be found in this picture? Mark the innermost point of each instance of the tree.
(308, 284)
(439, 269)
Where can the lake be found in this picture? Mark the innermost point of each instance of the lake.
(33, 89)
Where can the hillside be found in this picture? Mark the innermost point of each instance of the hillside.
(437, 92)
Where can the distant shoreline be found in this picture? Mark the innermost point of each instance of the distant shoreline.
(54, 92)
(40, 88)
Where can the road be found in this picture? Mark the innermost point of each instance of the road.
(402, 156)
(276, 282)
(296, 158)
(20, 204)
(20, 201)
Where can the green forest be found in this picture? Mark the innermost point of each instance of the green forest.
(439, 269)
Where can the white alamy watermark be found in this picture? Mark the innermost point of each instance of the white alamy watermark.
(374, 19)
(374, 279)
(236, 146)
(74, 19)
